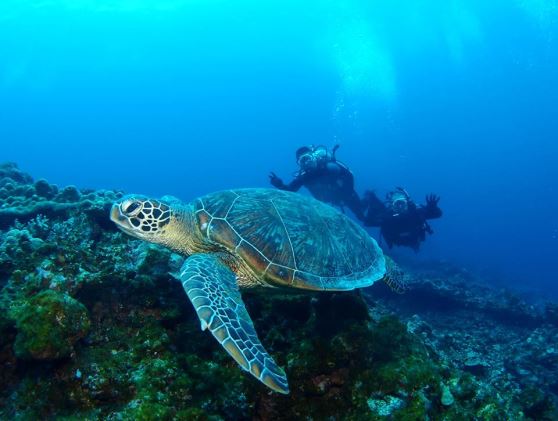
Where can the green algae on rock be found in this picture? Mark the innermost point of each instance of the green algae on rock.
(48, 326)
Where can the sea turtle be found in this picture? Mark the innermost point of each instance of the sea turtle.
(253, 238)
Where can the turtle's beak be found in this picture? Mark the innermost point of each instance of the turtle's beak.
(116, 216)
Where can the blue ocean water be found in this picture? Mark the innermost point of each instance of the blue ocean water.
(185, 97)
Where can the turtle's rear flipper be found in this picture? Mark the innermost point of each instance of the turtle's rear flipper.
(395, 278)
(211, 287)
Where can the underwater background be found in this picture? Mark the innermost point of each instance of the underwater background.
(99, 98)
(186, 97)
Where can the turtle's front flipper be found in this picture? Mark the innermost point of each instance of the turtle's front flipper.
(212, 289)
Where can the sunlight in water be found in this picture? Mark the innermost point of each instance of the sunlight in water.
(364, 64)
(13, 73)
(13, 8)
(545, 13)
(462, 28)
(371, 38)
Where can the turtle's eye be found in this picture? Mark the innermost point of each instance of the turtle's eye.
(131, 207)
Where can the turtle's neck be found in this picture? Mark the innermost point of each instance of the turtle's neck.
(182, 234)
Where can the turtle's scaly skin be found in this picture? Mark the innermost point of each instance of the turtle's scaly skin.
(290, 240)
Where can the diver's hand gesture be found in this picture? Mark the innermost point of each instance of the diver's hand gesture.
(275, 181)
(432, 200)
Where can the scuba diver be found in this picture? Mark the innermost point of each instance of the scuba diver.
(401, 221)
(327, 179)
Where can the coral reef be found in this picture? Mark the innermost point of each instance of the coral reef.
(22, 199)
(92, 326)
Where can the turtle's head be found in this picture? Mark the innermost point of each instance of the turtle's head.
(142, 217)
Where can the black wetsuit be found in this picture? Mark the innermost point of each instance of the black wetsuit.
(407, 228)
(331, 183)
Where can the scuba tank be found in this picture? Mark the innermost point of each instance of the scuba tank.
(315, 157)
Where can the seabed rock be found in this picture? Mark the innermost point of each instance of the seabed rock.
(48, 326)
(447, 397)
(475, 365)
(385, 406)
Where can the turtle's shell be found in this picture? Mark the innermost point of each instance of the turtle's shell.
(291, 240)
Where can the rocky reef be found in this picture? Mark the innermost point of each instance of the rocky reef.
(92, 326)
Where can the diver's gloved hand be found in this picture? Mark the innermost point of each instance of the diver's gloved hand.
(432, 200)
(275, 181)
